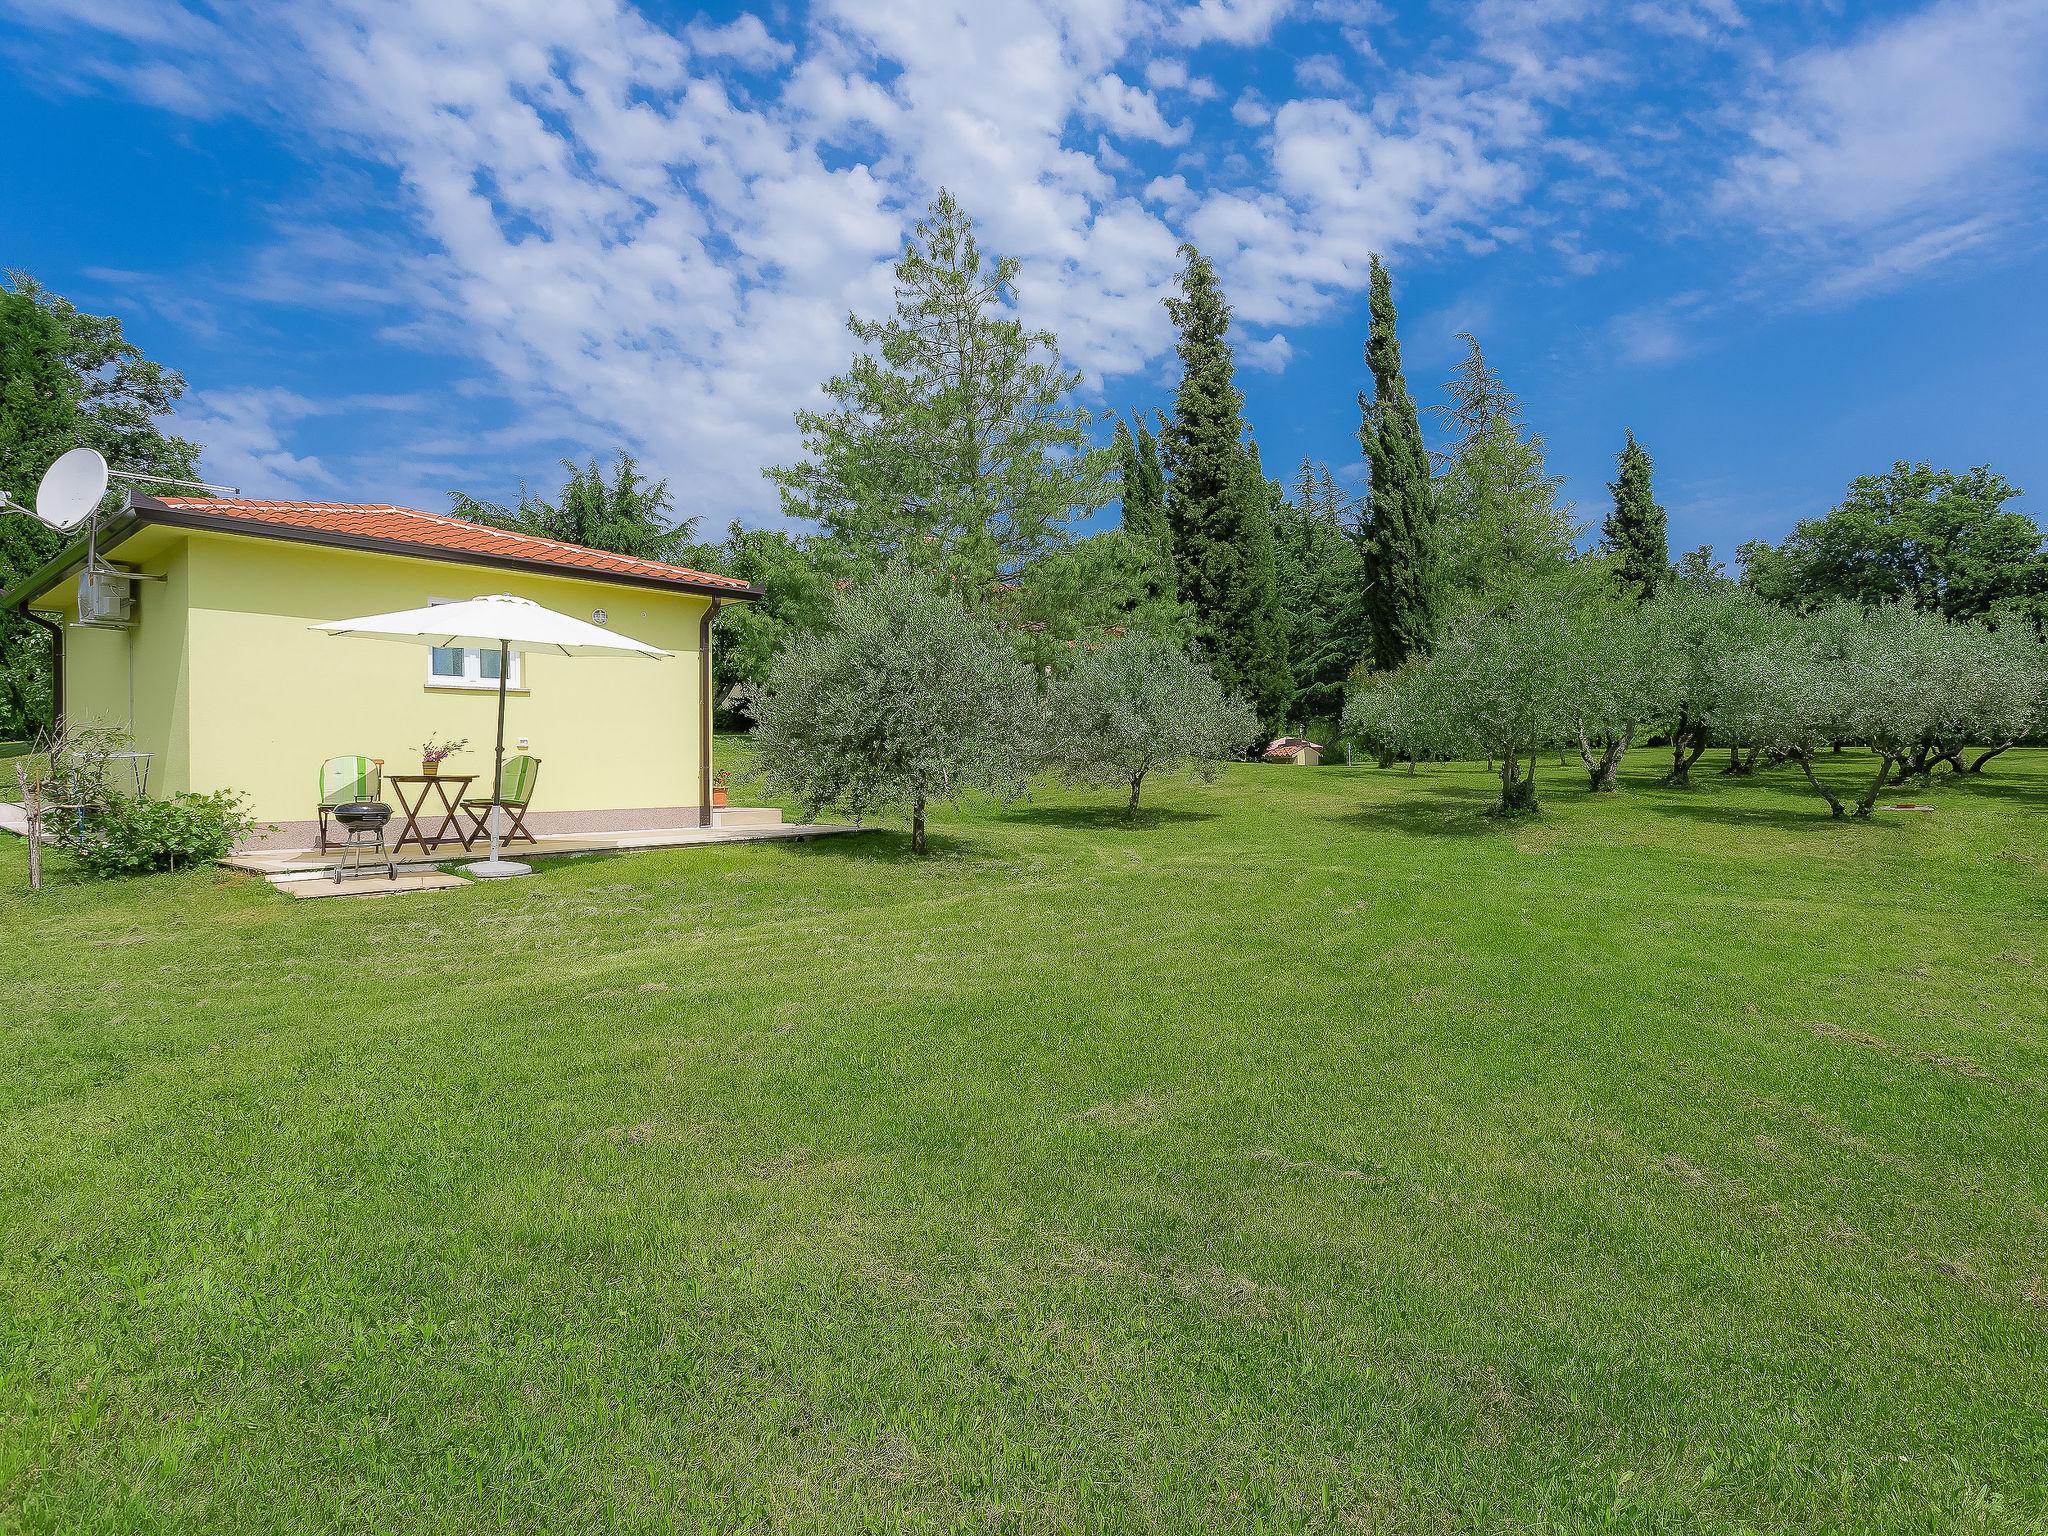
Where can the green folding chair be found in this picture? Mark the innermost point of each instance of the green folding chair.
(515, 794)
(344, 780)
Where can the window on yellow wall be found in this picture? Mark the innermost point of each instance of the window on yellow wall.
(467, 666)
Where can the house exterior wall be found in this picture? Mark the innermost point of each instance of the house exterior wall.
(135, 679)
(236, 692)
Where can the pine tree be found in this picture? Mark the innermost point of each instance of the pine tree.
(1635, 528)
(628, 515)
(954, 441)
(1402, 580)
(1500, 517)
(1217, 506)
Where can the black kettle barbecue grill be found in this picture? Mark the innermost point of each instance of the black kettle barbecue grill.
(362, 823)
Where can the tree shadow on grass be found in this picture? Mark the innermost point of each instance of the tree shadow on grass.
(1433, 810)
(1971, 785)
(1106, 818)
(888, 845)
(1796, 810)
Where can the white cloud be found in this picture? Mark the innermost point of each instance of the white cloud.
(1321, 72)
(1239, 22)
(635, 238)
(244, 432)
(1167, 74)
(744, 39)
(1268, 354)
(1124, 109)
(1927, 124)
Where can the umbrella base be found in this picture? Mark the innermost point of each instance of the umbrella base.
(497, 869)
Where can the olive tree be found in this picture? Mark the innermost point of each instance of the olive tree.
(1892, 679)
(1997, 696)
(1617, 677)
(1136, 705)
(904, 699)
(1499, 681)
(1704, 639)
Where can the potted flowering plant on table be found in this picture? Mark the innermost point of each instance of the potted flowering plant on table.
(432, 752)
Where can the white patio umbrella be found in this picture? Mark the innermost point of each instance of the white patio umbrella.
(502, 621)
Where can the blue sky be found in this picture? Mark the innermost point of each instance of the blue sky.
(399, 248)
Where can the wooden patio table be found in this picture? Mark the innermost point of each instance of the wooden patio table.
(453, 786)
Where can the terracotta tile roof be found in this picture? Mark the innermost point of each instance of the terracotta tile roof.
(1287, 746)
(409, 526)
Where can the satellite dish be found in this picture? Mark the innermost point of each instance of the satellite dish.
(71, 488)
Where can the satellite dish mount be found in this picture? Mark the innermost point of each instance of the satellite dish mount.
(71, 492)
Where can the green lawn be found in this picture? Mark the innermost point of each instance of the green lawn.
(1314, 1155)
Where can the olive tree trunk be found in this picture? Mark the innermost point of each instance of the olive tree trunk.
(917, 843)
(1885, 764)
(1977, 765)
(1517, 789)
(1602, 770)
(1805, 762)
(1688, 741)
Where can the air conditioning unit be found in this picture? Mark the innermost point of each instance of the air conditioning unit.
(104, 599)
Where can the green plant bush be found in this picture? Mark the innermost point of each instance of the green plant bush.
(134, 835)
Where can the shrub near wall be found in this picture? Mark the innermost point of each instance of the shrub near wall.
(134, 835)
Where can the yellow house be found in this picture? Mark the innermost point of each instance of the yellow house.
(214, 673)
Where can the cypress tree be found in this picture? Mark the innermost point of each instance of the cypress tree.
(1217, 507)
(1635, 528)
(1143, 485)
(1155, 486)
(1402, 579)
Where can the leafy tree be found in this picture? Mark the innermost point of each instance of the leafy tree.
(628, 515)
(953, 441)
(1496, 500)
(67, 380)
(1704, 638)
(1985, 687)
(1218, 507)
(1142, 484)
(1847, 674)
(1699, 568)
(1318, 567)
(2003, 700)
(905, 699)
(1111, 583)
(1499, 680)
(1616, 674)
(796, 576)
(1394, 714)
(1402, 575)
(1940, 540)
(1138, 705)
(1635, 528)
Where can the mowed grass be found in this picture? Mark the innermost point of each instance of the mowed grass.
(1312, 1154)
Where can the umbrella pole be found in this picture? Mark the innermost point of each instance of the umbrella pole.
(498, 768)
(496, 865)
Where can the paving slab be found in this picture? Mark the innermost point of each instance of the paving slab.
(316, 888)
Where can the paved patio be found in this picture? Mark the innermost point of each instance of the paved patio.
(739, 824)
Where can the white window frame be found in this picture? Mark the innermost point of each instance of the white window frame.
(472, 679)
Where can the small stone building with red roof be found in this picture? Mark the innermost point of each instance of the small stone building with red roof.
(1294, 749)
